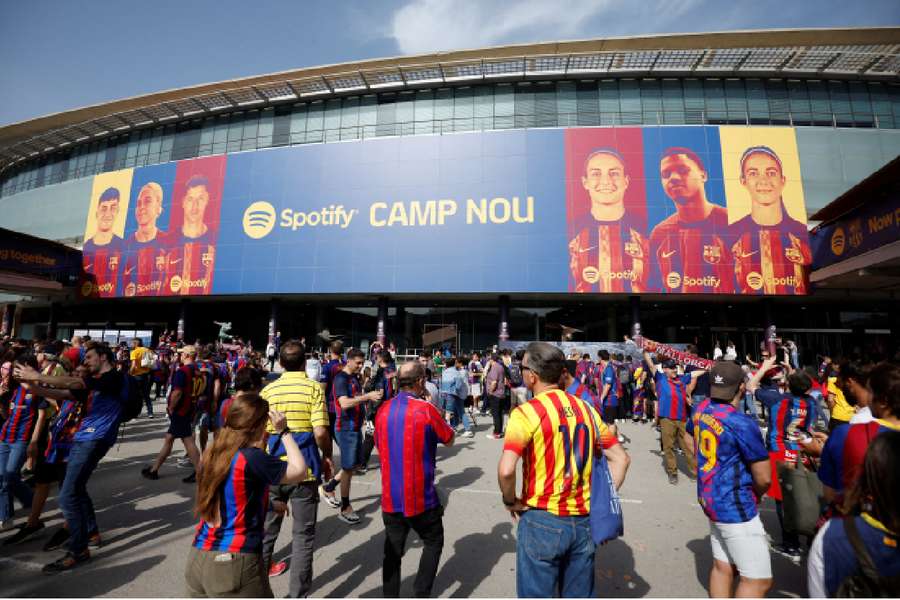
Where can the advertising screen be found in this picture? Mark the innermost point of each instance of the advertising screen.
(675, 210)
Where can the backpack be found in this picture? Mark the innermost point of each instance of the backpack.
(147, 359)
(866, 583)
(624, 374)
(132, 402)
(515, 375)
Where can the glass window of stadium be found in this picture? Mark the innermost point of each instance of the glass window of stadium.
(626, 101)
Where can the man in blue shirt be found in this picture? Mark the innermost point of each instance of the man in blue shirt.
(101, 395)
(733, 473)
(454, 391)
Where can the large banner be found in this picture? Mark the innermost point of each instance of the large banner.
(677, 210)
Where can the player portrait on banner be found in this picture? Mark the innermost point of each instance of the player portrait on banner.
(767, 213)
(607, 225)
(193, 231)
(145, 248)
(689, 245)
(103, 249)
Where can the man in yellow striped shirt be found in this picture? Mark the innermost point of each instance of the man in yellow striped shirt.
(303, 403)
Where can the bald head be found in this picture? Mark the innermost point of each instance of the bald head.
(410, 374)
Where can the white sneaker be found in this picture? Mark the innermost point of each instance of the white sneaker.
(185, 462)
(350, 517)
(330, 500)
(621, 439)
(6, 525)
(467, 434)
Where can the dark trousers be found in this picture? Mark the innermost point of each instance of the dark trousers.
(496, 404)
(429, 527)
(142, 384)
(368, 447)
(304, 499)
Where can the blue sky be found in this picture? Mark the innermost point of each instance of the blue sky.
(63, 54)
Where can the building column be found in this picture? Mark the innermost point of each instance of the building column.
(273, 321)
(182, 320)
(503, 333)
(6, 323)
(381, 330)
(52, 320)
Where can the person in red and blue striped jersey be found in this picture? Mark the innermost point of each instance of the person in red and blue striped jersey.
(22, 419)
(232, 499)
(407, 431)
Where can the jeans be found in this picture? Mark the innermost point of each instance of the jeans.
(304, 499)
(748, 405)
(429, 526)
(12, 457)
(74, 500)
(456, 407)
(554, 554)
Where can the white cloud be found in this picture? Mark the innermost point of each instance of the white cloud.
(435, 25)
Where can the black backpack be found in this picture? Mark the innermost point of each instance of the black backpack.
(866, 583)
(624, 374)
(132, 402)
(515, 374)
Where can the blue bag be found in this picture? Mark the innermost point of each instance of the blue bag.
(607, 522)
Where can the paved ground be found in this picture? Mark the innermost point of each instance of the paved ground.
(148, 527)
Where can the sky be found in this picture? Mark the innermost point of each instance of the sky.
(62, 54)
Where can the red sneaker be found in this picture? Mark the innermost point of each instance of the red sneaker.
(276, 569)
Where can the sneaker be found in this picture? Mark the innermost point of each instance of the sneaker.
(7, 525)
(673, 479)
(467, 434)
(185, 463)
(57, 540)
(69, 561)
(150, 416)
(621, 438)
(361, 470)
(192, 478)
(148, 473)
(25, 531)
(330, 500)
(493, 436)
(349, 517)
(792, 553)
(94, 540)
(276, 569)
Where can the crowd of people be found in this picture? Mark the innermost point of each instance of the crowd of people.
(823, 441)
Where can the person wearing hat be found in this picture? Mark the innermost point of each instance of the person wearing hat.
(672, 392)
(181, 407)
(733, 474)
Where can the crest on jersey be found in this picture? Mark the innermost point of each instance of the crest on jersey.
(160, 262)
(794, 255)
(712, 254)
(208, 257)
(114, 261)
(633, 249)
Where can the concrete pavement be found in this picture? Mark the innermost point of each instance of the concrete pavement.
(148, 526)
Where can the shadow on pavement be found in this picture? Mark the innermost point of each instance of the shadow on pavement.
(614, 574)
(472, 560)
(93, 580)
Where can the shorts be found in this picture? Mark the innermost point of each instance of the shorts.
(743, 545)
(180, 426)
(47, 473)
(350, 443)
(609, 414)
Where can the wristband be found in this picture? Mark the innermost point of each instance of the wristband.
(284, 431)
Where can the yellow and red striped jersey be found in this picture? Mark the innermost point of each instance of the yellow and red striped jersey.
(554, 434)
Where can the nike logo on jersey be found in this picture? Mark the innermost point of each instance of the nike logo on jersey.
(749, 254)
(128, 271)
(175, 261)
(583, 250)
(669, 253)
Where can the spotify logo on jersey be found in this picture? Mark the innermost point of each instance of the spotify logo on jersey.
(259, 220)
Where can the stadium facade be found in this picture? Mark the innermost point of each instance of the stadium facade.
(522, 190)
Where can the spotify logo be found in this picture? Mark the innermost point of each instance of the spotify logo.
(259, 220)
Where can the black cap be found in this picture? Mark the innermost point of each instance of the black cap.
(725, 377)
(669, 363)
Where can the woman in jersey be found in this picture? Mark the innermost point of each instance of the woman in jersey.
(19, 431)
(232, 498)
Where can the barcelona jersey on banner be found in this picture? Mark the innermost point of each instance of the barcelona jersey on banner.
(608, 256)
(554, 433)
(726, 443)
(694, 258)
(145, 267)
(189, 265)
(102, 265)
(771, 260)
